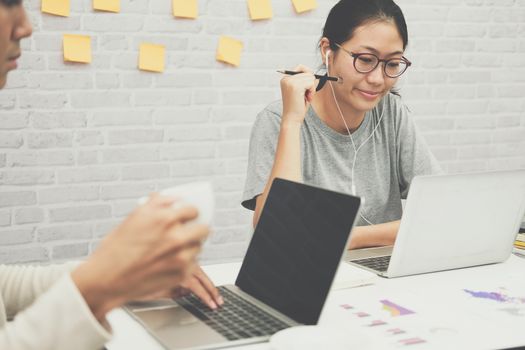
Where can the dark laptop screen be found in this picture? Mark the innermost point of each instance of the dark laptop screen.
(296, 248)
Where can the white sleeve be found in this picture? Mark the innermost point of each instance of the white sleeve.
(59, 319)
(20, 285)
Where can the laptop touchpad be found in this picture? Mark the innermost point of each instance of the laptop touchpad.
(175, 327)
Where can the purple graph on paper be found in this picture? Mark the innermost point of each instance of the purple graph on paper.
(495, 296)
(394, 309)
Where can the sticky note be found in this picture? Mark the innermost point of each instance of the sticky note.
(56, 7)
(304, 5)
(107, 5)
(229, 50)
(77, 48)
(152, 57)
(185, 8)
(260, 9)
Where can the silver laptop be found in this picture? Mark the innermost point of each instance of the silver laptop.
(284, 279)
(452, 221)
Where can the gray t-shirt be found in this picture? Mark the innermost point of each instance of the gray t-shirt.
(385, 165)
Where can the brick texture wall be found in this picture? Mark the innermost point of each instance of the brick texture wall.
(80, 143)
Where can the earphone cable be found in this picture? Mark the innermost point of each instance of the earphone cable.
(356, 149)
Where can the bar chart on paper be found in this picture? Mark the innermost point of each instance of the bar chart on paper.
(482, 308)
(400, 320)
(392, 319)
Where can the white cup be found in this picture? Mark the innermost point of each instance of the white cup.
(197, 194)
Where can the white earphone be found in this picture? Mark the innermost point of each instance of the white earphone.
(356, 149)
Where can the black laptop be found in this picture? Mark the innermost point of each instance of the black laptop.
(284, 279)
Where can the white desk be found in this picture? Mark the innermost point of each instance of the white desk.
(474, 308)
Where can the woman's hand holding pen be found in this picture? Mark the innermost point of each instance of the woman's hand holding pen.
(297, 92)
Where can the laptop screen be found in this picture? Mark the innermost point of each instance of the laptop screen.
(296, 248)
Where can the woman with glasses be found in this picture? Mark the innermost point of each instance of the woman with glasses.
(354, 135)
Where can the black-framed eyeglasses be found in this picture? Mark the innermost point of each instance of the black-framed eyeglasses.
(367, 62)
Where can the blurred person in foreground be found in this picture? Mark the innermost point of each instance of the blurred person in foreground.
(150, 254)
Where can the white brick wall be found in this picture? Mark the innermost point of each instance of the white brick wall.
(80, 143)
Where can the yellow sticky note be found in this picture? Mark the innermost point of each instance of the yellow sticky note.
(152, 57)
(229, 50)
(77, 48)
(56, 7)
(107, 5)
(304, 5)
(185, 8)
(260, 9)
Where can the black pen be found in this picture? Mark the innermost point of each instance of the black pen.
(317, 76)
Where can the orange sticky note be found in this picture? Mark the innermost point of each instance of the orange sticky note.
(304, 5)
(77, 48)
(229, 50)
(152, 57)
(260, 9)
(185, 8)
(56, 7)
(107, 5)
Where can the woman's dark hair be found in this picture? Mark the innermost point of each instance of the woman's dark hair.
(10, 2)
(347, 15)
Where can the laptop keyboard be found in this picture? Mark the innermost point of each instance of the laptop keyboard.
(236, 318)
(378, 263)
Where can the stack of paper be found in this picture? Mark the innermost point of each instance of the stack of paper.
(519, 244)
